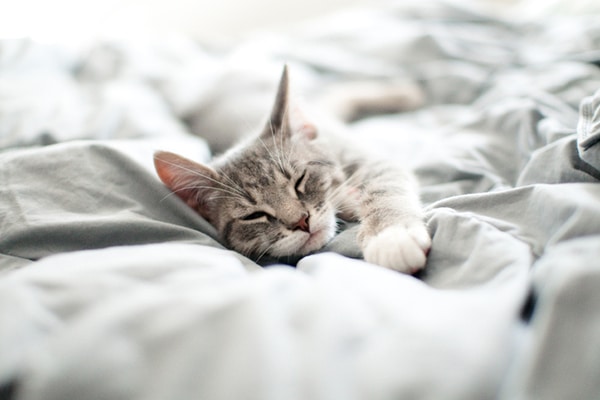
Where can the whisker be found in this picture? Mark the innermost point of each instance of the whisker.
(271, 156)
(283, 128)
(292, 147)
(167, 196)
(343, 186)
(172, 193)
(234, 194)
(263, 253)
(279, 162)
(234, 183)
(194, 172)
(224, 197)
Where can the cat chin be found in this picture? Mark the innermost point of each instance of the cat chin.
(324, 231)
(316, 240)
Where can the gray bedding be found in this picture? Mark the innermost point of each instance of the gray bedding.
(111, 288)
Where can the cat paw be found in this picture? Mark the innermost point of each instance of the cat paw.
(400, 248)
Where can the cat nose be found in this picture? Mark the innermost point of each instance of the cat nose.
(302, 223)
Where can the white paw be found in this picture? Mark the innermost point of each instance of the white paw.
(399, 248)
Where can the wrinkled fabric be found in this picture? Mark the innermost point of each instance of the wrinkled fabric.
(111, 287)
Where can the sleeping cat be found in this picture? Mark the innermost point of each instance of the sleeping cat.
(278, 193)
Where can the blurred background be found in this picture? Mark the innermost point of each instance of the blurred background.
(205, 20)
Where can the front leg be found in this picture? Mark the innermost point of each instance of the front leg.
(393, 233)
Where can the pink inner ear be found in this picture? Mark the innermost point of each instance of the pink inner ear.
(179, 175)
(300, 123)
(164, 163)
(309, 131)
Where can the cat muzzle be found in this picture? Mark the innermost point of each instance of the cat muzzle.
(302, 223)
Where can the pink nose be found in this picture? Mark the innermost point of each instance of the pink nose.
(302, 223)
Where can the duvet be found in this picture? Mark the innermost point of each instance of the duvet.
(111, 288)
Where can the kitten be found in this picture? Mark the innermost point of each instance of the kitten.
(278, 194)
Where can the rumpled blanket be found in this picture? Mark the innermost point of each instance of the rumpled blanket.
(110, 287)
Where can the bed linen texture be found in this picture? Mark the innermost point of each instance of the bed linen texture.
(111, 288)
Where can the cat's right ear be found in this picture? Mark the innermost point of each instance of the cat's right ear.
(191, 181)
(278, 119)
(287, 118)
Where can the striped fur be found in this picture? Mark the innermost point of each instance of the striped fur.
(278, 193)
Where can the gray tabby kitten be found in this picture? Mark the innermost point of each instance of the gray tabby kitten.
(278, 193)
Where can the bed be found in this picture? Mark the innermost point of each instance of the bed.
(111, 288)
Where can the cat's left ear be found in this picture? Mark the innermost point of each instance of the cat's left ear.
(194, 183)
(287, 118)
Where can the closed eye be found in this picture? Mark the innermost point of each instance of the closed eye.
(299, 186)
(255, 215)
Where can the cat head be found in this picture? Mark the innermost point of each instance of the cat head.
(270, 196)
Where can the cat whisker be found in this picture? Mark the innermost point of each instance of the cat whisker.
(292, 147)
(212, 198)
(340, 206)
(343, 187)
(274, 142)
(278, 151)
(271, 156)
(264, 252)
(239, 192)
(224, 197)
(344, 210)
(234, 184)
(193, 187)
(284, 127)
(167, 196)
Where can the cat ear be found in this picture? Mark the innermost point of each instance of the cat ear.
(191, 181)
(301, 124)
(287, 118)
(279, 117)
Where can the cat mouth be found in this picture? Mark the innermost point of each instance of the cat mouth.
(315, 241)
(301, 243)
